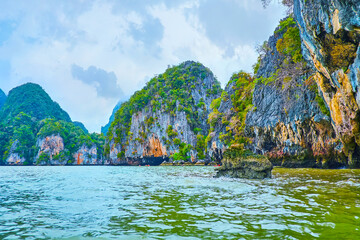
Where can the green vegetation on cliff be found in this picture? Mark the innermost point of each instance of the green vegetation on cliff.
(28, 115)
(172, 92)
(240, 89)
(288, 50)
(290, 43)
(74, 136)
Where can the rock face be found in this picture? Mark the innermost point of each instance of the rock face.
(14, 158)
(284, 118)
(87, 156)
(166, 120)
(52, 152)
(288, 124)
(238, 164)
(330, 33)
(49, 150)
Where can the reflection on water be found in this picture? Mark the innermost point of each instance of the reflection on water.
(176, 203)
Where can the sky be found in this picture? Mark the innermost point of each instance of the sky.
(89, 54)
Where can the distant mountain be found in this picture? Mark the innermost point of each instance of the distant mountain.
(31, 99)
(105, 128)
(2, 98)
(36, 130)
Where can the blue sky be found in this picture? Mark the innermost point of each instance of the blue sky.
(88, 54)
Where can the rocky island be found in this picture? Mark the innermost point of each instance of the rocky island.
(299, 108)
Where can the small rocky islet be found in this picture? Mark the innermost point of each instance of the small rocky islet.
(299, 108)
(242, 163)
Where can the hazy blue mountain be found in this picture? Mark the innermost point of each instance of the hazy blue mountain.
(2, 98)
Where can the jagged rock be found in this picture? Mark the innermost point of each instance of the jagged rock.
(330, 33)
(289, 121)
(238, 164)
(52, 152)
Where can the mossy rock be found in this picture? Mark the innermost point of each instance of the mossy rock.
(238, 163)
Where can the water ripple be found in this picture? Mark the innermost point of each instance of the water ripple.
(176, 203)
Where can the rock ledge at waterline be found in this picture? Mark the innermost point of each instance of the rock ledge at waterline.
(238, 163)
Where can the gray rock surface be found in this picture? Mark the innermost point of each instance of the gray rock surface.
(14, 158)
(330, 33)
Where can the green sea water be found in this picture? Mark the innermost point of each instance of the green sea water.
(104, 202)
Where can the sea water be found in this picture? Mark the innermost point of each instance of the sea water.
(106, 202)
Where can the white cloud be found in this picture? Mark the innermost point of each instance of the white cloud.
(133, 39)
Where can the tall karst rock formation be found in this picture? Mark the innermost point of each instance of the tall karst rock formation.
(166, 120)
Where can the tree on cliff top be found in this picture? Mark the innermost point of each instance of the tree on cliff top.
(289, 4)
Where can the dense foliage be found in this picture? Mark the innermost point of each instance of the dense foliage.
(81, 125)
(21, 130)
(31, 99)
(290, 43)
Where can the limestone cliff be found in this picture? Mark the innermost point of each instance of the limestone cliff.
(50, 149)
(53, 151)
(289, 123)
(330, 33)
(87, 156)
(284, 118)
(227, 119)
(166, 120)
(14, 158)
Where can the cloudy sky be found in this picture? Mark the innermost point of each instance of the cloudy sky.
(88, 54)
